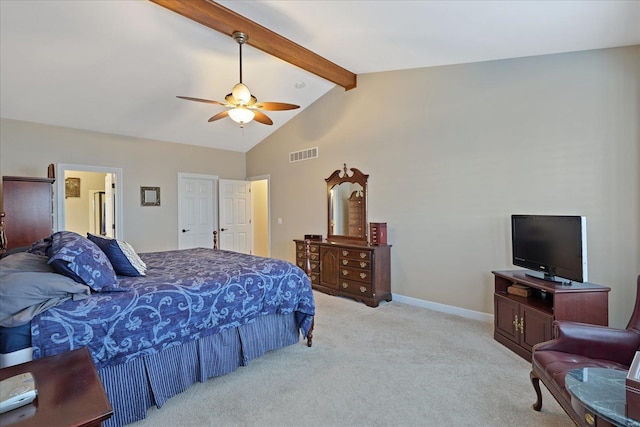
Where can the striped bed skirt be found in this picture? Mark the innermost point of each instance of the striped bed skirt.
(135, 386)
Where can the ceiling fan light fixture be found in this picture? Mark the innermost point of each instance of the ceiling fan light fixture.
(243, 107)
(241, 115)
(241, 93)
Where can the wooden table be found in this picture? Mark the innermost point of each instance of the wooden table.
(70, 393)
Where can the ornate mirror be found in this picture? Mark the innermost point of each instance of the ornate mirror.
(347, 202)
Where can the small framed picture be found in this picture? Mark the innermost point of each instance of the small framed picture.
(72, 187)
(149, 196)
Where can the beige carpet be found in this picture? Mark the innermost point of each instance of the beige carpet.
(395, 365)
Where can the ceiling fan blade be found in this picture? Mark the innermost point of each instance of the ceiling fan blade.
(219, 116)
(262, 118)
(275, 106)
(207, 101)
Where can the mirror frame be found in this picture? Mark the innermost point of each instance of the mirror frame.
(357, 177)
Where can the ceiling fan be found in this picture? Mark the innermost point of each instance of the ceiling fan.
(243, 106)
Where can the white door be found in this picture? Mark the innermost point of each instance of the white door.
(109, 205)
(235, 216)
(196, 217)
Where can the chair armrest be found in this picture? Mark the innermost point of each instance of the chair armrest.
(593, 341)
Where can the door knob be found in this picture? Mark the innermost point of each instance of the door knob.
(184, 231)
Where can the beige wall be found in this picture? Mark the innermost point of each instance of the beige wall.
(27, 148)
(453, 151)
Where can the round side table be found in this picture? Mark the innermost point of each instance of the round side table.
(599, 394)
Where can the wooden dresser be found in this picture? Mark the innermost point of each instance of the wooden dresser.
(353, 270)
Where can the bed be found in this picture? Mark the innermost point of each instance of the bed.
(187, 316)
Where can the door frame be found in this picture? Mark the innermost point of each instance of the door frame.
(59, 191)
(214, 210)
(266, 177)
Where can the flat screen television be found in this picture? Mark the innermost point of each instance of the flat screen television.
(554, 245)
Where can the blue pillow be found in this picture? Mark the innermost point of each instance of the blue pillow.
(74, 256)
(123, 257)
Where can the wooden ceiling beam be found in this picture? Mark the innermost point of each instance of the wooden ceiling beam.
(226, 21)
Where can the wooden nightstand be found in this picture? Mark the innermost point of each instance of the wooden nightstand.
(70, 393)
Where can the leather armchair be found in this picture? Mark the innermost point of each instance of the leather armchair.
(580, 345)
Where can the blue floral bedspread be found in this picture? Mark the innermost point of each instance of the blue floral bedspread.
(187, 294)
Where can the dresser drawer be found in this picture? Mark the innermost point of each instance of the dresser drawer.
(355, 254)
(355, 263)
(301, 249)
(356, 288)
(313, 256)
(355, 274)
(315, 266)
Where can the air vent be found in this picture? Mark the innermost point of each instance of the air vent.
(306, 154)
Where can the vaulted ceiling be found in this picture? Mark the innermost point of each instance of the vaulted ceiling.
(116, 66)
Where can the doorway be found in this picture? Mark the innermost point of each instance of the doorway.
(256, 211)
(76, 189)
(260, 212)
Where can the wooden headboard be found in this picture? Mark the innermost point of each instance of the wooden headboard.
(28, 209)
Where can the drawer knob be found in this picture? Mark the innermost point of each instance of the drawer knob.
(345, 253)
(363, 275)
(345, 262)
(363, 254)
(363, 264)
(345, 285)
(345, 272)
(589, 419)
(363, 289)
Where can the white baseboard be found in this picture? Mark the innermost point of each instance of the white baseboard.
(449, 309)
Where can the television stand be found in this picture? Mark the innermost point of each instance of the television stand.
(520, 322)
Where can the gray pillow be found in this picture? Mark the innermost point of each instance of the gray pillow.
(25, 261)
(28, 287)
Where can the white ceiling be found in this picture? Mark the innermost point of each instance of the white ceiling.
(116, 66)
